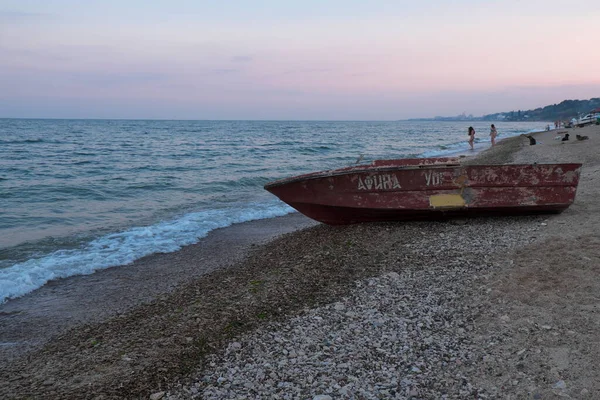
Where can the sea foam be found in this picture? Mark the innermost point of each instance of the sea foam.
(125, 247)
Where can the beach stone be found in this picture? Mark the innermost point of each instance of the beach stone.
(560, 385)
(488, 358)
(235, 346)
(394, 276)
(157, 396)
(322, 397)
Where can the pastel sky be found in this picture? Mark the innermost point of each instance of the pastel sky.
(301, 60)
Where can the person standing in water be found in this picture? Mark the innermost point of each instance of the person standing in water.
(493, 134)
(471, 136)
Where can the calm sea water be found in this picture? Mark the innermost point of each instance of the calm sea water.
(77, 196)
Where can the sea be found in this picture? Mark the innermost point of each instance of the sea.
(78, 196)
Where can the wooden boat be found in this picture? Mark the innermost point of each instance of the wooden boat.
(428, 188)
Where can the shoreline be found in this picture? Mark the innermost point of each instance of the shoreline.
(151, 347)
(464, 153)
(31, 320)
(24, 282)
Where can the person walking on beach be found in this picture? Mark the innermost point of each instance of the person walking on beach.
(493, 134)
(471, 136)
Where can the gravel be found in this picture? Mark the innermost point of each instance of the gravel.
(407, 333)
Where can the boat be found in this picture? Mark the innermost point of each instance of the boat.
(590, 118)
(428, 188)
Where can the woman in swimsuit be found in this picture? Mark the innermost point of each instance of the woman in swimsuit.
(493, 134)
(471, 136)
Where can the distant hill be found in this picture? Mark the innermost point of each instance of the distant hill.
(563, 111)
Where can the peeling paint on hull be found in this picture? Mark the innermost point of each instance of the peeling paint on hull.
(407, 189)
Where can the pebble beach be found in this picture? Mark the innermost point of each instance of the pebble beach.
(486, 308)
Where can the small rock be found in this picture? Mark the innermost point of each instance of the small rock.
(488, 359)
(157, 396)
(546, 327)
(394, 276)
(560, 385)
(322, 397)
(505, 318)
(584, 392)
(344, 391)
(378, 322)
(415, 370)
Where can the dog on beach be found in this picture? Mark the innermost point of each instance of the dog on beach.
(565, 138)
(531, 140)
(580, 137)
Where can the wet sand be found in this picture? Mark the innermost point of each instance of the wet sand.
(132, 331)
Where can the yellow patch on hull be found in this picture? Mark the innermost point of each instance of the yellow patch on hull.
(446, 201)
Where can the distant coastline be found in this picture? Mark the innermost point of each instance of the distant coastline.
(565, 110)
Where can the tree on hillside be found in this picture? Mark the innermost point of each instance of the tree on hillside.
(565, 110)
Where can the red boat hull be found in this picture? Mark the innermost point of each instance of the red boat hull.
(406, 190)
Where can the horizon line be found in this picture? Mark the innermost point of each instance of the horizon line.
(435, 119)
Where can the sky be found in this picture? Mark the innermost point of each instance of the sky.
(294, 60)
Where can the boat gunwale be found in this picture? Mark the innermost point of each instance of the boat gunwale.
(372, 168)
